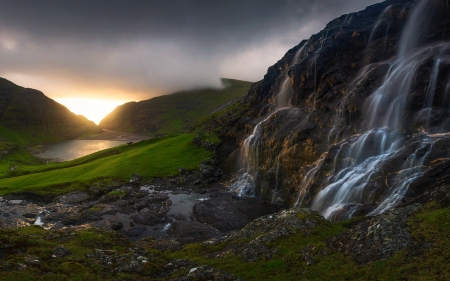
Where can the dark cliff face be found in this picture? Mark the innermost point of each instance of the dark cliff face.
(379, 73)
(30, 110)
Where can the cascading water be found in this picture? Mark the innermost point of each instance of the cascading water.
(249, 166)
(381, 19)
(361, 158)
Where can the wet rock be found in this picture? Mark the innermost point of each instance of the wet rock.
(148, 218)
(15, 202)
(179, 217)
(153, 214)
(157, 198)
(192, 231)
(206, 273)
(61, 251)
(203, 191)
(161, 245)
(265, 230)
(18, 215)
(73, 198)
(132, 267)
(226, 214)
(134, 231)
(376, 238)
(179, 264)
(72, 219)
(196, 272)
(207, 170)
(116, 224)
(30, 214)
(135, 178)
(99, 188)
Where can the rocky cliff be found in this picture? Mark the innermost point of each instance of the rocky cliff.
(31, 111)
(355, 120)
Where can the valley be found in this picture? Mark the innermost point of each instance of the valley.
(334, 166)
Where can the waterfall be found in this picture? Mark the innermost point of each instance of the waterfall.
(411, 34)
(360, 159)
(379, 21)
(249, 152)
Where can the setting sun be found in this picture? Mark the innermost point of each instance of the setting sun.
(92, 109)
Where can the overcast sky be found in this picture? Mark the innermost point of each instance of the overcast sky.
(136, 49)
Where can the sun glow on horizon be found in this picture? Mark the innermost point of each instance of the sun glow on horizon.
(93, 109)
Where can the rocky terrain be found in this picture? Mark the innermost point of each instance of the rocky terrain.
(185, 209)
(28, 110)
(335, 166)
(86, 238)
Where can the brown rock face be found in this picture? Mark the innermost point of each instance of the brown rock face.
(30, 110)
(370, 92)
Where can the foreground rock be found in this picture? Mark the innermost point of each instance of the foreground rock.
(169, 209)
(227, 213)
(377, 238)
(252, 242)
(207, 273)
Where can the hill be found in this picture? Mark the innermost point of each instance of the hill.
(352, 123)
(27, 115)
(150, 158)
(172, 114)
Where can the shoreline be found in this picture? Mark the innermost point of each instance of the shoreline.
(116, 136)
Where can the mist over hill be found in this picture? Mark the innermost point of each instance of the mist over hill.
(175, 113)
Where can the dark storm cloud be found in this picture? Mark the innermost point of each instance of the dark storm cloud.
(159, 46)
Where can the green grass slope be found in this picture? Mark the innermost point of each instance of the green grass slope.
(175, 113)
(150, 158)
(28, 116)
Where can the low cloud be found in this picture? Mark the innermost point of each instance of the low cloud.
(138, 49)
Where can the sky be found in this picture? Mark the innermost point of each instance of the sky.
(102, 53)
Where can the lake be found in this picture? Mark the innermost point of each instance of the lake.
(72, 149)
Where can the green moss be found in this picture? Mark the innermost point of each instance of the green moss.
(117, 193)
(430, 227)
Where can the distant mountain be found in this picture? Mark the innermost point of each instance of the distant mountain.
(35, 117)
(175, 113)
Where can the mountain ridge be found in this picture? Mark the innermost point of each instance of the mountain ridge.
(30, 111)
(174, 113)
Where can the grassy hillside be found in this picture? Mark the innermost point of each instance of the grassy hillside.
(175, 113)
(150, 158)
(27, 115)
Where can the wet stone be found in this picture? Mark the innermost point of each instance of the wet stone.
(61, 251)
(134, 231)
(15, 202)
(377, 238)
(116, 224)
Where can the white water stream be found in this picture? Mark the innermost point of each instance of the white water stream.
(249, 152)
(348, 187)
